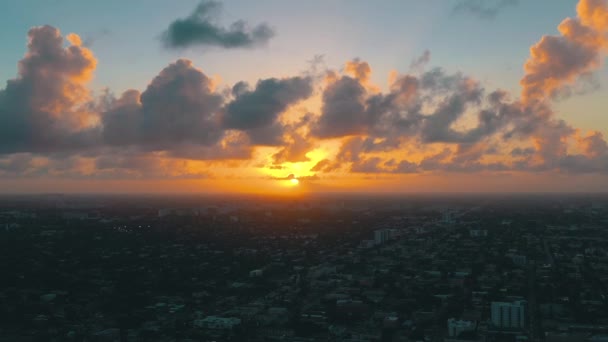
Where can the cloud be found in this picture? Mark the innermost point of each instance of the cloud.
(300, 178)
(180, 112)
(146, 166)
(178, 107)
(343, 112)
(437, 127)
(294, 151)
(48, 109)
(22, 165)
(200, 29)
(424, 107)
(559, 61)
(257, 111)
(485, 9)
(419, 63)
(93, 37)
(405, 166)
(429, 109)
(44, 108)
(359, 70)
(593, 145)
(126, 164)
(369, 165)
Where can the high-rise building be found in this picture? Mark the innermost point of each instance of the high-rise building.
(447, 217)
(509, 315)
(381, 236)
(457, 327)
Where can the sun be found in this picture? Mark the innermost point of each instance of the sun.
(294, 181)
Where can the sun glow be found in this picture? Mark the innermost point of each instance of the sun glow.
(294, 181)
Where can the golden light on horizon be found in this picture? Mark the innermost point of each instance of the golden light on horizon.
(300, 168)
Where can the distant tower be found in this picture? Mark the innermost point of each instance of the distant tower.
(381, 236)
(447, 217)
(508, 315)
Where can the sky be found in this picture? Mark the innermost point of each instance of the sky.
(362, 96)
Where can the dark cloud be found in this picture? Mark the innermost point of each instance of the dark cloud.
(405, 166)
(350, 109)
(20, 165)
(257, 111)
(369, 165)
(93, 37)
(125, 164)
(343, 112)
(579, 163)
(437, 127)
(436, 161)
(180, 113)
(178, 107)
(324, 165)
(485, 9)
(48, 108)
(270, 135)
(300, 178)
(420, 62)
(200, 29)
(262, 106)
(146, 166)
(240, 88)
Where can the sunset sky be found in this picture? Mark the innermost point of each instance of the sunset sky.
(246, 96)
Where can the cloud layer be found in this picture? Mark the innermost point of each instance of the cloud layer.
(183, 124)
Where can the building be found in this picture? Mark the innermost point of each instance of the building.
(478, 233)
(456, 327)
(217, 323)
(509, 315)
(519, 260)
(11, 226)
(256, 273)
(447, 217)
(365, 244)
(420, 230)
(381, 236)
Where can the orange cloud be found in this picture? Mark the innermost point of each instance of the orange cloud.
(74, 39)
(593, 145)
(361, 71)
(558, 61)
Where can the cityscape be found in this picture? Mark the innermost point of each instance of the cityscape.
(328, 268)
(302, 171)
